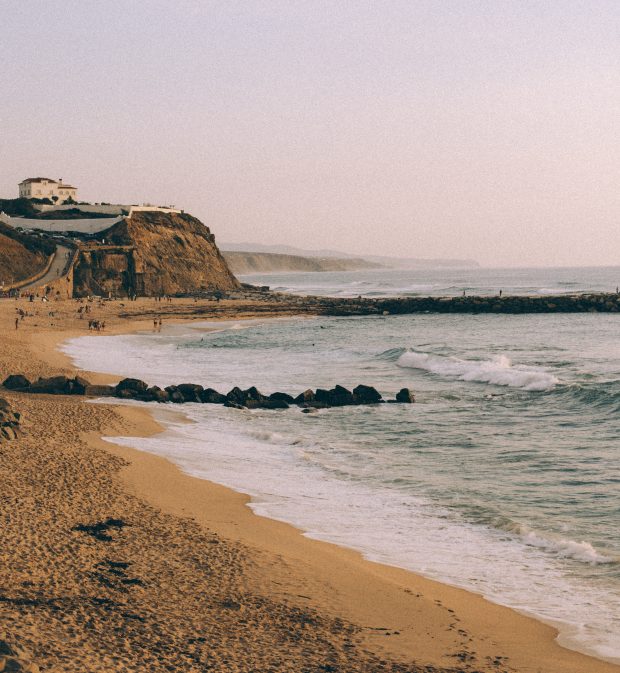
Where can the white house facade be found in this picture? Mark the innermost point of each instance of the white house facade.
(45, 188)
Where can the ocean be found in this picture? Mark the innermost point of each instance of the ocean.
(503, 478)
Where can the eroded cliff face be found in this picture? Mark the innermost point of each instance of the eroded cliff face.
(150, 254)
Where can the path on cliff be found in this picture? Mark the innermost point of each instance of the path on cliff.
(56, 270)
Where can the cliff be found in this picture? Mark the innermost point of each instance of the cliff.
(21, 255)
(150, 254)
(264, 262)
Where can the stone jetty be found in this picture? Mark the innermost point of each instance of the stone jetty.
(251, 398)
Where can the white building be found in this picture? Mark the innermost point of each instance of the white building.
(44, 188)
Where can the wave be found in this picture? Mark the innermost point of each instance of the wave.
(557, 546)
(499, 370)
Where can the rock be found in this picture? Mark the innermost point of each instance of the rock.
(305, 397)
(127, 394)
(244, 396)
(266, 404)
(191, 391)
(99, 391)
(174, 394)
(59, 385)
(157, 394)
(15, 382)
(284, 397)
(131, 384)
(309, 410)
(233, 405)
(405, 395)
(366, 395)
(336, 397)
(210, 396)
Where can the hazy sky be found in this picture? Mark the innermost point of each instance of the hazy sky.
(488, 130)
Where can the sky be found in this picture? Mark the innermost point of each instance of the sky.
(412, 128)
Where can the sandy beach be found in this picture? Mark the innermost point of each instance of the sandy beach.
(183, 576)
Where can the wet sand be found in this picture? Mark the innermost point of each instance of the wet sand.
(186, 577)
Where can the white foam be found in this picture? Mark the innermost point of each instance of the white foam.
(499, 370)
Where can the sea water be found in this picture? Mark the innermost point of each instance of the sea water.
(503, 478)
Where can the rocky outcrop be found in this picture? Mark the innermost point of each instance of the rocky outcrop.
(151, 254)
(53, 385)
(265, 262)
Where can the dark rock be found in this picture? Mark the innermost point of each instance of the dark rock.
(405, 395)
(284, 397)
(266, 404)
(234, 405)
(244, 396)
(174, 394)
(132, 384)
(15, 382)
(366, 395)
(59, 385)
(157, 394)
(305, 397)
(336, 397)
(99, 391)
(210, 396)
(191, 391)
(127, 394)
(235, 395)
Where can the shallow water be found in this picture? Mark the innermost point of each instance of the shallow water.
(503, 478)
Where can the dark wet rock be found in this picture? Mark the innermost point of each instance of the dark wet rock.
(211, 396)
(131, 384)
(127, 394)
(191, 391)
(100, 391)
(234, 405)
(305, 397)
(59, 385)
(336, 397)
(366, 395)
(251, 395)
(266, 404)
(16, 382)
(309, 410)
(285, 397)
(157, 394)
(406, 396)
(174, 394)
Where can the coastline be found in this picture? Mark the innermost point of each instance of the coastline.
(430, 623)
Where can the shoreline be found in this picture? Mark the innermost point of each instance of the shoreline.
(431, 623)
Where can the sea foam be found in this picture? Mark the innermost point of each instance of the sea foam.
(498, 370)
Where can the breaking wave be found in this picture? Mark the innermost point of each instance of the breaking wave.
(499, 370)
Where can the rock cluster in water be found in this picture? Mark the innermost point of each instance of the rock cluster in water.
(252, 398)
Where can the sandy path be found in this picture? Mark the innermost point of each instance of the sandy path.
(191, 580)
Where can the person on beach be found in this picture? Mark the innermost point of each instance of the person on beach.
(16, 323)
(154, 324)
(159, 325)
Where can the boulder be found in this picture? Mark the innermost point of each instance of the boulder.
(235, 395)
(305, 397)
(233, 405)
(266, 404)
(405, 395)
(99, 391)
(336, 397)
(127, 394)
(366, 395)
(284, 397)
(174, 394)
(16, 382)
(131, 384)
(210, 396)
(59, 385)
(242, 397)
(156, 394)
(191, 391)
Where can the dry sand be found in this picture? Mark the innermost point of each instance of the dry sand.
(188, 578)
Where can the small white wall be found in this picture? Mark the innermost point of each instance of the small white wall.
(113, 209)
(86, 226)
